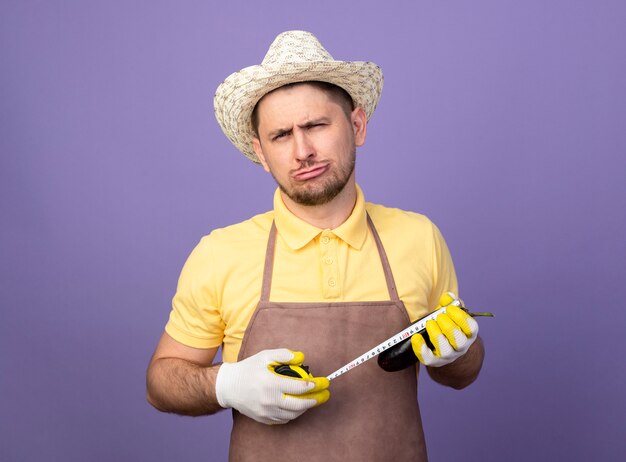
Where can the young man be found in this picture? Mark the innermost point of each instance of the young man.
(325, 274)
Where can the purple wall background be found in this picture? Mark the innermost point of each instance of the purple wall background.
(503, 121)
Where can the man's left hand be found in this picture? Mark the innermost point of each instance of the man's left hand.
(451, 333)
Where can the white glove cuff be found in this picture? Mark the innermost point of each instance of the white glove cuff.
(224, 384)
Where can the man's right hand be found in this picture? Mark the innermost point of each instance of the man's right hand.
(253, 388)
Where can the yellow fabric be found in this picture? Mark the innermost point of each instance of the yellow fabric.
(220, 284)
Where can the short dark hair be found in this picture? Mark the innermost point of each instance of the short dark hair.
(334, 92)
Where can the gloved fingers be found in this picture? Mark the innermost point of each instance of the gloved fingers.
(446, 299)
(283, 416)
(321, 383)
(294, 385)
(279, 417)
(296, 403)
(282, 356)
(421, 350)
(468, 325)
(452, 332)
(298, 386)
(298, 358)
(319, 392)
(320, 396)
(435, 334)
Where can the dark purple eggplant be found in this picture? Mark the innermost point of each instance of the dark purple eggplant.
(401, 356)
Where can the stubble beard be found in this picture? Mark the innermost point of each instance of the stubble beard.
(325, 189)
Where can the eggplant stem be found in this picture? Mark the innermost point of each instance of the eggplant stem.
(483, 313)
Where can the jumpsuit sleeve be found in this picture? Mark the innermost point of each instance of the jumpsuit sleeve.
(195, 319)
(444, 276)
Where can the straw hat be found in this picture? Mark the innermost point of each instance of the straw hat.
(294, 56)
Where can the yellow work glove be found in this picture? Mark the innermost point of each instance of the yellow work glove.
(451, 333)
(253, 387)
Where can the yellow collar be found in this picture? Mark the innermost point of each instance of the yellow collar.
(297, 233)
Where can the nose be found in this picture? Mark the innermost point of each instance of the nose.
(303, 146)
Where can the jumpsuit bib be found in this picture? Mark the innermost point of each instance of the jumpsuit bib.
(372, 415)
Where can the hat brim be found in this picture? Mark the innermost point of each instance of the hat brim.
(237, 96)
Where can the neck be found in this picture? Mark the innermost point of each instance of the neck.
(329, 215)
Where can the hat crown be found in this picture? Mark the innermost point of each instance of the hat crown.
(295, 47)
(294, 56)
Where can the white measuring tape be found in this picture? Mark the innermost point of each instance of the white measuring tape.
(391, 341)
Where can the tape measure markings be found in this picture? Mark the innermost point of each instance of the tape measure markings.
(391, 341)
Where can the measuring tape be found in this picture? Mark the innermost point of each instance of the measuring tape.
(391, 341)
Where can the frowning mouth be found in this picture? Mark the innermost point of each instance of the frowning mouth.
(309, 173)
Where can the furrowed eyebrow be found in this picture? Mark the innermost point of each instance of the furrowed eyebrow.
(310, 123)
(278, 132)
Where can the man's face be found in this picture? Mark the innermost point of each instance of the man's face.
(308, 143)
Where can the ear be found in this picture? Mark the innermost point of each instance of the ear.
(359, 125)
(258, 150)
